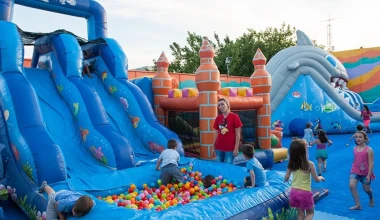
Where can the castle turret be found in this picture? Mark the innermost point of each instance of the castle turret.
(207, 79)
(161, 84)
(261, 83)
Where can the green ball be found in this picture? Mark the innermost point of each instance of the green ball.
(273, 140)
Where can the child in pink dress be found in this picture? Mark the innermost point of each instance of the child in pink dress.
(362, 169)
(365, 114)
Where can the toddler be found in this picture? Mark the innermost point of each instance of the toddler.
(65, 202)
(257, 176)
(168, 164)
(308, 134)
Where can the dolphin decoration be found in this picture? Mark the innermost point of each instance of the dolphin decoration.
(305, 59)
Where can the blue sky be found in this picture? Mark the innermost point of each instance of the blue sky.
(145, 28)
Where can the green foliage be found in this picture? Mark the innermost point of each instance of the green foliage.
(28, 170)
(242, 50)
(186, 59)
(3, 194)
(285, 214)
(104, 160)
(30, 211)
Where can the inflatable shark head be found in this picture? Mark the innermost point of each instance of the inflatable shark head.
(304, 58)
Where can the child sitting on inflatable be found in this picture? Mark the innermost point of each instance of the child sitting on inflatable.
(257, 176)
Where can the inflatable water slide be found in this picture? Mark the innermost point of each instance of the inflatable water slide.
(310, 85)
(95, 135)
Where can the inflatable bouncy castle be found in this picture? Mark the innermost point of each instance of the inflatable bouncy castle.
(204, 98)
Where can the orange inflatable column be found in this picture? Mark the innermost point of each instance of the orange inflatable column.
(261, 83)
(207, 79)
(161, 84)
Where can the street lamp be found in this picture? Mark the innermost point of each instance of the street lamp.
(228, 62)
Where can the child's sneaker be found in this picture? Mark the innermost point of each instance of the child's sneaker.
(42, 187)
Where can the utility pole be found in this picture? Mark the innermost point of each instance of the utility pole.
(228, 62)
(329, 34)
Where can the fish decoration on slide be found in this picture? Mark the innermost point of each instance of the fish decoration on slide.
(306, 106)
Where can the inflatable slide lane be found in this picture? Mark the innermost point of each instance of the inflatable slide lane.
(126, 105)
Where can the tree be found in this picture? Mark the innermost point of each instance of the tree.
(241, 51)
(270, 41)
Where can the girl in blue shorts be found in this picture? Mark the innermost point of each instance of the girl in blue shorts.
(362, 169)
(301, 168)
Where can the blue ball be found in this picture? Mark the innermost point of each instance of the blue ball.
(138, 198)
(195, 182)
(152, 185)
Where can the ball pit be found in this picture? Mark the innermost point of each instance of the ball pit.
(160, 197)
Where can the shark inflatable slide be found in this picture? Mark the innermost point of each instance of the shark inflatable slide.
(309, 85)
(98, 135)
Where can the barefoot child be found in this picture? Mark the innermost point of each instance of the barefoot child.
(362, 169)
(65, 202)
(301, 168)
(168, 164)
(365, 114)
(358, 128)
(321, 155)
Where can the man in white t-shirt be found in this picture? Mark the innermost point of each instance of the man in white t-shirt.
(168, 163)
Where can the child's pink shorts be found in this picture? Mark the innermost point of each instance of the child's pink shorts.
(301, 199)
(366, 122)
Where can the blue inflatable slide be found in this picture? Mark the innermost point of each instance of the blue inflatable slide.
(95, 135)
